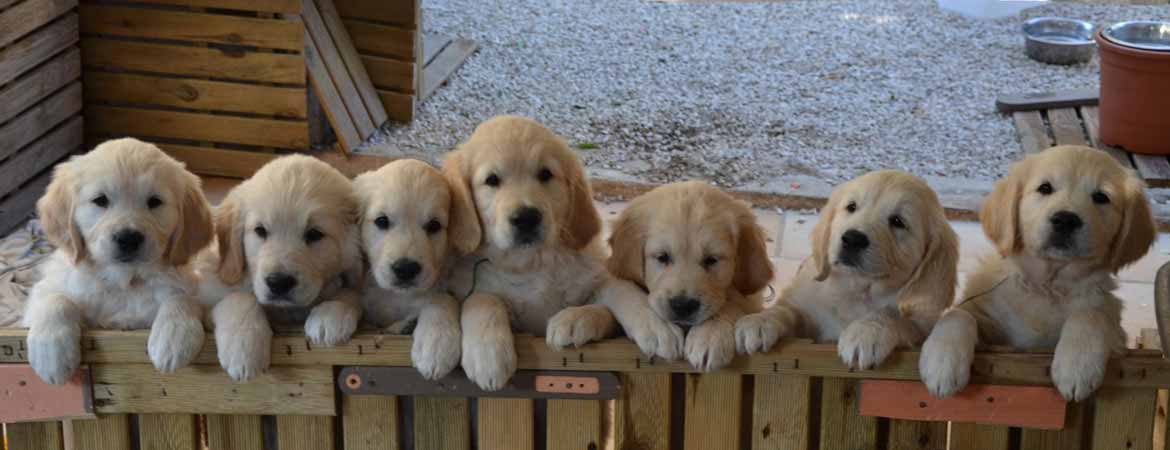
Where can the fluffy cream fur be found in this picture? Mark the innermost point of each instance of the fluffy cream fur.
(1048, 289)
(870, 301)
(121, 186)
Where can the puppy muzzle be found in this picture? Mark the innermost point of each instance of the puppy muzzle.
(527, 226)
(853, 245)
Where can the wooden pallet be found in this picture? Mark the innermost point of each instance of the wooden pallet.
(387, 35)
(1078, 125)
(442, 56)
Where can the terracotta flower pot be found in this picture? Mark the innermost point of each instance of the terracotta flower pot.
(1135, 98)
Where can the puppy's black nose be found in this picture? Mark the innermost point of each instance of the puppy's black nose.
(854, 241)
(1065, 222)
(526, 219)
(683, 307)
(128, 241)
(405, 269)
(280, 283)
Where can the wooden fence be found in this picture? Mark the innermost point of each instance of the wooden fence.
(799, 396)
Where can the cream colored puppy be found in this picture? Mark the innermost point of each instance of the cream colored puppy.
(702, 257)
(414, 227)
(540, 268)
(1065, 221)
(125, 218)
(288, 252)
(883, 267)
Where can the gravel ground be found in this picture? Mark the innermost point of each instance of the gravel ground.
(743, 93)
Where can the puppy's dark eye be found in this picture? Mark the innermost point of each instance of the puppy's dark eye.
(153, 202)
(1045, 189)
(313, 235)
(433, 226)
(709, 261)
(261, 232)
(101, 201)
(1100, 198)
(492, 180)
(897, 222)
(851, 207)
(663, 258)
(382, 222)
(544, 175)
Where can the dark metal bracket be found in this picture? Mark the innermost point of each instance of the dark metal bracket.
(371, 380)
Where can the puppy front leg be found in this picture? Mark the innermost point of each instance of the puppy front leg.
(437, 337)
(864, 344)
(759, 332)
(1078, 365)
(711, 345)
(243, 338)
(334, 321)
(54, 336)
(489, 352)
(176, 334)
(630, 307)
(945, 362)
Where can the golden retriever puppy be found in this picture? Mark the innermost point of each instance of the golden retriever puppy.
(414, 226)
(288, 252)
(883, 267)
(1064, 221)
(702, 257)
(539, 268)
(125, 218)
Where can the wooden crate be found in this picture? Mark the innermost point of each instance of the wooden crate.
(188, 74)
(40, 99)
(798, 396)
(387, 33)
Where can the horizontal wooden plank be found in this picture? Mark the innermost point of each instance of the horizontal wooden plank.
(390, 74)
(38, 83)
(145, 123)
(14, 210)
(191, 26)
(35, 121)
(403, 13)
(38, 47)
(42, 154)
(29, 15)
(218, 162)
(193, 61)
(276, 6)
(381, 40)
(398, 106)
(195, 94)
(1023, 406)
(206, 389)
(1153, 168)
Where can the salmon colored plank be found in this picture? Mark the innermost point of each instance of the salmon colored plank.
(1025, 406)
(26, 398)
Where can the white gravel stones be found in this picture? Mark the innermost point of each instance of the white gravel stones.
(738, 93)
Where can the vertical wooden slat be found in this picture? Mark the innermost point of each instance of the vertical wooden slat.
(441, 423)
(913, 434)
(505, 424)
(369, 422)
(1031, 130)
(1089, 114)
(642, 413)
(574, 425)
(1160, 421)
(304, 432)
(1124, 418)
(234, 432)
(167, 432)
(970, 436)
(780, 412)
(34, 436)
(712, 411)
(841, 427)
(109, 432)
(1066, 127)
(1068, 438)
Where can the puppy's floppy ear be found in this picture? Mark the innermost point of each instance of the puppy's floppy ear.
(1137, 231)
(55, 210)
(195, 227)
(1000, 214)
(628, 242)
(820, 236)
(753, 268)
(583, 222)
(931, 288)
(229, 234)
(464, 230)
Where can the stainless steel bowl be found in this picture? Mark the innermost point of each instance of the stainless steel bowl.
(1056, 40)
(1146, 35)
